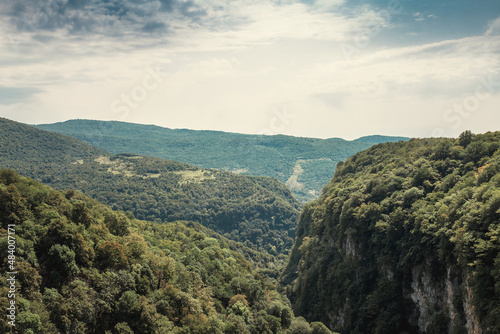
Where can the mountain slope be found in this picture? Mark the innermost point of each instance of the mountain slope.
(80, 267)
(259, 211)
(405, 237)
(378, 139)
(304, 164)
(39, 152)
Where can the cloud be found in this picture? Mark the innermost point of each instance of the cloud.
(493, 28)
(154, 27)
(419, 16)
(434, 69)
(112, 18)
(12, 95)
(335, 100)
(226, 63)
(319, 19)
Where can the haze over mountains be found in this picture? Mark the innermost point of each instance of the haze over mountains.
(304, 164)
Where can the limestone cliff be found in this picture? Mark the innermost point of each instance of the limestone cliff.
(404, 239)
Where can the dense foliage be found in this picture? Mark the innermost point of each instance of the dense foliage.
(397, 216)
(275, 156)
(83, 268)
(40, 152)
(259, 211)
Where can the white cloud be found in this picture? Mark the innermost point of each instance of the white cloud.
(418, 17)
(493, 28)
(230, 67)
(404, 89)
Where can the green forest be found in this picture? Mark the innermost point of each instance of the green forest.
(84, 268)
(405, 237)
(258, 211)
(275, 156)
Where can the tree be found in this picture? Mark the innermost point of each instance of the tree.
(81, 214)
(235, 325)
(111, 254)
(300, 326)
(286, 317)
(423, 174)
(26, 321)
(475, 151)
(319, 328)
(61, 265)
(128, 305)
(241, 310)
(238, 298)
(29, 278)
(62, 232)
(123, 328)
(12, 206)
(442, 151)
(465, 138)
(117, 223)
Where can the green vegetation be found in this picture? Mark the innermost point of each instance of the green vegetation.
(258, 211)
(274, 156)
(404, 238)
(83, 268)
(38, 152)
(405, 235)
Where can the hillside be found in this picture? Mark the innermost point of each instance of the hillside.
(80, 267)
(40, 153)
(259, 211)
(304, 164)
(378, 139)
(405, 238)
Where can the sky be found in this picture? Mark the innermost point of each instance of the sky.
(323, 69)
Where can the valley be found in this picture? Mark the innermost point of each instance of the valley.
(275, 156)
(403, 238)
(260, 212)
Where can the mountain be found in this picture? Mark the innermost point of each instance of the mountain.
(38, 152)
(259, 211)
(80, 267)
(405, 238)
(304, 164)
(377, 139)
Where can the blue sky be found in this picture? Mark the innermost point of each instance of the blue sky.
(324, 68)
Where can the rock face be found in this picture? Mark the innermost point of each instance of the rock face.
(451, 299)
(426, 302)
(404, 239)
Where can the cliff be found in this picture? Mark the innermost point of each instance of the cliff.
(404, 239)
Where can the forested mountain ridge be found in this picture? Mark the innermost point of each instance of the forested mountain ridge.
(40, 152)
(82, 268)
(304, 164)
(405, 238)
(259, 211)
(378, 139)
